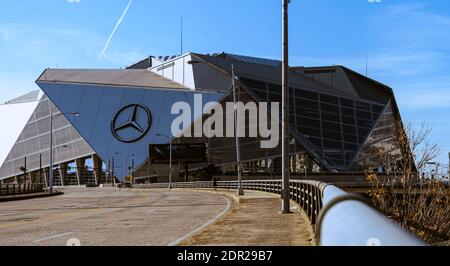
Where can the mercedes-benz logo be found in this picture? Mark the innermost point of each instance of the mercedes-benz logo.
(131, 123)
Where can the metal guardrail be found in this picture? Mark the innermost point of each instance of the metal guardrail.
(339, 218)
(13, 189)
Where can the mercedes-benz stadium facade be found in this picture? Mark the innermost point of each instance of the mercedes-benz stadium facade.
(338, 119)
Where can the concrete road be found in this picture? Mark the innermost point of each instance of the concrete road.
(108, 217)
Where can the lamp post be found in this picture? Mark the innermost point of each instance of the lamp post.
(148, 170)
(40, 171)
(132, 166)
(240, 190)
(50, 168)
(170, 158)
(61, 178)
(124, 164)
(113, 171)
(285, 114)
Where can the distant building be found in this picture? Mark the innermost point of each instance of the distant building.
(338, 118)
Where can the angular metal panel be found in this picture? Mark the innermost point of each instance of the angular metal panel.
(99, 105)
(34, 141)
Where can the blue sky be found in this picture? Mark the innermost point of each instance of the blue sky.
(407, 42)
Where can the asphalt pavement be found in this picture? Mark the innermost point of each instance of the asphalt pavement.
(109, 217)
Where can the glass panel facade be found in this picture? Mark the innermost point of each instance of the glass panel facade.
(222, 151)
(336, 127)
(34, 142)
(382, 136)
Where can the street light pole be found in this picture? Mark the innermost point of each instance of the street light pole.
(170, 158)
(50, 168)
(40, 171)
(113, 171)
(124, 164)
(132, 166)
(285, 118)
(240, 190)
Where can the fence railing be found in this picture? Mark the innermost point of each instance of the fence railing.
(13, 189)
(338, 218)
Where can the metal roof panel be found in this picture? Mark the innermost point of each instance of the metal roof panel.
(121, 77)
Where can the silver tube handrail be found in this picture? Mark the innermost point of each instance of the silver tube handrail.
(348, 220)
(339, 218)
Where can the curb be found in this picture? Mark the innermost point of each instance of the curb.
(235, 198)
(228, 193)
(29, 196)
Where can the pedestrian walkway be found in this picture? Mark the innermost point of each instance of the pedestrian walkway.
(255, 220)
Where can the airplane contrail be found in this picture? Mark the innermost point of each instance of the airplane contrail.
(114, 30)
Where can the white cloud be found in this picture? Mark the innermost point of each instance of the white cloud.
(125, 57)
(12, 86)
(28, 48)
(413, 26)
(426, 98)
(410, 54)
(74, 1)
(26, 41)
(388, 64)
(415, 77)
(431, 93)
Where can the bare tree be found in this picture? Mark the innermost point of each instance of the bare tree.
(421, 148)
(421, 206)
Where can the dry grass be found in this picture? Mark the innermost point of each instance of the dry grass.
(422, 209)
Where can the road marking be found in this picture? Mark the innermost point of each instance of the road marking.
(181, 239)
(52, 237)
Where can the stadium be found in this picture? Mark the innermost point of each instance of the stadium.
(338, 121)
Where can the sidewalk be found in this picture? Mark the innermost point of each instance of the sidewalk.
(255, 221)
